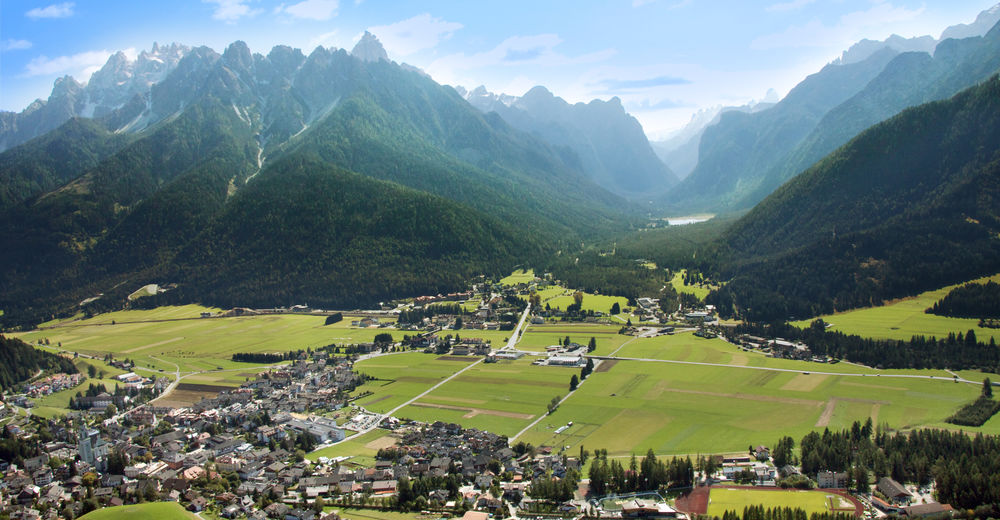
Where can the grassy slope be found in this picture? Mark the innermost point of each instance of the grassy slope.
(905, 318)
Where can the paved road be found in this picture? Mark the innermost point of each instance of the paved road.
(515, 336)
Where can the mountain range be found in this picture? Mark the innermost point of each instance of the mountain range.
(344, 179)
(153, 188)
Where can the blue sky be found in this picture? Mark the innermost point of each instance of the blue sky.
(664, 58)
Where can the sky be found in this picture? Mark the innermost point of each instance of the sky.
(665, 59)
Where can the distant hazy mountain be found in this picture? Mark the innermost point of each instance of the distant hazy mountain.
(910, 204)
(910, 79)
(679, 150)
(110, 88)
(736, 153)
(610, 144)
(984, 22)
(266, 180)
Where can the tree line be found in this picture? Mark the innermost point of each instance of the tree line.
(956, 351)
(972, 300)
(649, 474)
(965, 468)
(19, 362)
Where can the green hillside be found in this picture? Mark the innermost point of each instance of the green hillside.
(909, 205)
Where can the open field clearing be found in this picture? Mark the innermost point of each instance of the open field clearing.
(148, 511)
(197, 344)
(594, 302)
(537, 337)
(906, 318)
(815, 501)
(689, 409)
(519, 276)
(677, 282)
(400, 377)
(501, 397)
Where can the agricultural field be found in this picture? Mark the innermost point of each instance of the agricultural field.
(501, 397)
(725, 499)
(147, 511)
(632, 406)
(166, 338)
(401, 377)
(903, 319)
(591, 302)
(537, 337)
(519, 276)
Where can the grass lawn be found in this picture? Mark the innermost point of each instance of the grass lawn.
(362, 449)
(148, 511)
(721, 500)
(905, 318)
(197, 344)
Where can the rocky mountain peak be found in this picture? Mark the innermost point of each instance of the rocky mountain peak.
(369, 49)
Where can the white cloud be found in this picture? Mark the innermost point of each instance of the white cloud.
(321, 10)
(63, 10)
(230, 11)
(322, 39)
(15, 45)
(414, 34)
(80, 66)
(789, 6)
(850, 28)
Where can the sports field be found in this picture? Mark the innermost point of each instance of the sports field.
(725, 499)
(148, 511)
(903, 319)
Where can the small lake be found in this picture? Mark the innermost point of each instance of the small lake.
(691, 219)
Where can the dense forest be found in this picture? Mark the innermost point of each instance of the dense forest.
(965, 468)
(611, 274)
(20, 362)
(956, 351)
(909, 205)
(972, 300)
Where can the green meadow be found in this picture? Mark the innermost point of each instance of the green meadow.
(721, 500)
(632, 406)
(903, 319)
(401, 377)
(537, 337)
(166, 338)
(519, 276)
(677, 282)
(501, 397)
